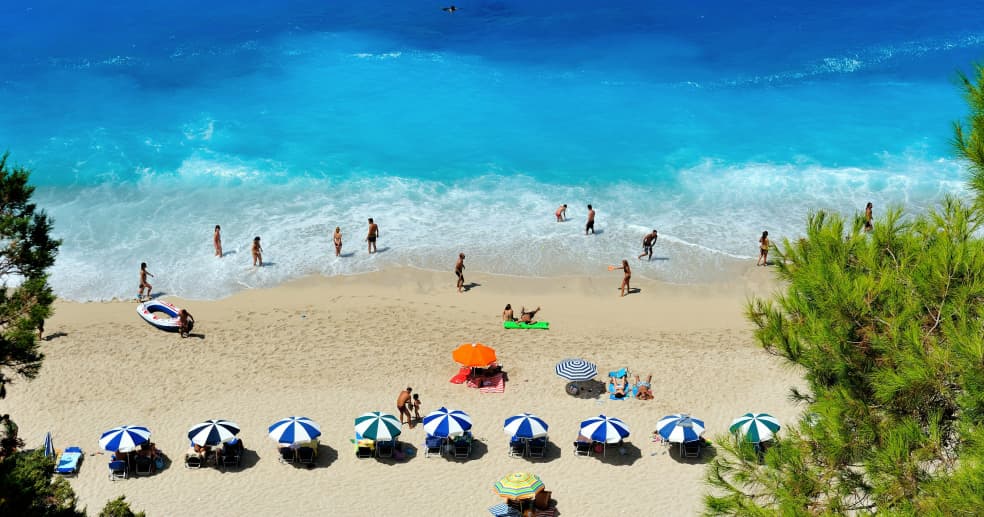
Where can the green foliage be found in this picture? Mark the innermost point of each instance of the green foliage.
(119, 508)
(26, 251)
(887, 327)
(26, 488)
(968, 137)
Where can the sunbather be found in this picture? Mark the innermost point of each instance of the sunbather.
(507, 313)
(645, 388)
(619, 385)
(527, 317)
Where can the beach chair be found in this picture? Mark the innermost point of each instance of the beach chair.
(117, 470)
(305, 455)
(537, 447)
(542, 500)
(231, 456)
(582, 448)
(143, 466)
(690, 449)
(517, 447)
(287, 455)
(68, 461)
(384, 449)
(503, 510)
(433, 445)
(193, 461)
(463, 445)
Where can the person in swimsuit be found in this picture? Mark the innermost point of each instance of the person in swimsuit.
(763, 250)
(217, 241)
(647, 245)
(645, 391)
(527, 317)
(624, 288)
(416, 406)
(143, 282)
(590, 225)
(459, 268)
(372, 236)
(507, 313)
(185, 322)
(561, 213)
(867, 217)
(402, 403)
(257, 252)
(337, 239)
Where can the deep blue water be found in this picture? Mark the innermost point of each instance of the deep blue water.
(146, 125)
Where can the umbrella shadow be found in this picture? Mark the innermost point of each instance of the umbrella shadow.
(588, 389)
(399, 457)
(550, 453)
(625, 454)
(325, 457)
(478, 449)
(247, 460)
(707, 453)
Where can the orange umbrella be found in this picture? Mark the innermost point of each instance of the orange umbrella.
(474, 354)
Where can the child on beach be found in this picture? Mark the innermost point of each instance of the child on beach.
(257, 252)
(561, 213)
(337, 239)
(217, 240)
(416, 406)
(143, 282)
(867, 217)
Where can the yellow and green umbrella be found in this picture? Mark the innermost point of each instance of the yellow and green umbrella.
(519, 485)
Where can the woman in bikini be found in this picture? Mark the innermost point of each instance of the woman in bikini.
(337, 239)
(763, 250)
(624, 288)
(507, 313)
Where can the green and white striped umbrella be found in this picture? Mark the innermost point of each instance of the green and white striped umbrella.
(377, 426)
(756, 427)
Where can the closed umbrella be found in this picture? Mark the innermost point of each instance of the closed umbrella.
(474, 355)
(49, 446)
(604, 429)
(755, 427)
(680, 428)
(445, 423)
(294, 429)
(213, 432)
(525, 425)
(520, 485)
(377, 426)
(576, 370)
(125, 438)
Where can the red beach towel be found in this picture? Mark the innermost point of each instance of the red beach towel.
(494, 384)
(460, 377)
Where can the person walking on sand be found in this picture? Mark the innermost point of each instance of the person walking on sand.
(402, 401)
(561, 213)
(143, 282)
(217, 240)
(372, 236)
(459, 268)
(867, 217)
(624, 288)
(763, 250)
(647, 245)
(337, 239)
(590, 225)
(257, 252)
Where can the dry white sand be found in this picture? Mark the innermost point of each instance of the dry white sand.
(333, 348)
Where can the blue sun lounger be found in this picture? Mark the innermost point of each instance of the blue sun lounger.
(68, 462)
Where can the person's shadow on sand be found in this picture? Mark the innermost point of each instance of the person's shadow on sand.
(346, 255)
(54, 335)
(227, 253)
(469, 286)
(197, 335)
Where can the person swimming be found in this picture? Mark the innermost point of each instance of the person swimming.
(450, 9)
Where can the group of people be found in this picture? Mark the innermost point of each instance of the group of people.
(214, 453)
(408, 404)
(621, 387)
(764, 243)
(525, 316)
(257, 249)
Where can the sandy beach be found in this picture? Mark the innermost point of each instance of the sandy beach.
(333, 348)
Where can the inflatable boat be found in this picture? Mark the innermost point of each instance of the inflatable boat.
(160, 314)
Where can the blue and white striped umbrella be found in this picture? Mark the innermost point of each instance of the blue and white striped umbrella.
(445, 423)
(525, 425)
(49, 446)
(294, 429)
(755, 427)
(576, 370)
(680, 428)
(213, 432)
(604, 429)
(124, 438)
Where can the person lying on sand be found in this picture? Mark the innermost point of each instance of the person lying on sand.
(527, 317)
(645, 388)
(619, 384)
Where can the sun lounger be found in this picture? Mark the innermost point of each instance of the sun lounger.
(433, 445)
(542, 500)
(117, 470)
(287, 455)
(690, 449)
(463, 445)
(193, 461)
(461, 376)
(503, 510)
(582, 448)
(537, 447)
(384, 448)
(143, 466)
(68, 461)
(231, 456)
(517, 447)
(305, 455)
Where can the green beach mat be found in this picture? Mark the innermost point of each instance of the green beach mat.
(521, 325)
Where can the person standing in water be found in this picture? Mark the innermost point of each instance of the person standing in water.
(624, 288)
(459, 268)
(143, 282)
(372, 236)
(763, 250)
(647, 244)
(337, 239)
(590, 225)
(217, 241)
(867, 217)
(561, 213)
(257, 252)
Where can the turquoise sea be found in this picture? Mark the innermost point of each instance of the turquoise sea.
(146, 124)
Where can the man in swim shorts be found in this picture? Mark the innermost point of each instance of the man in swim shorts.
(372, 236)
(401, 405)
(590, 225)
(459, 270)
(647, 245)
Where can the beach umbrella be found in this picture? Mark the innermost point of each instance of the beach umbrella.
(213, 432)
(576, 370)
(604, 429)
(474, 354)
(378, 426)
(519, 485)
(49, 447)
(755, 427)
(525, 425)
(680, 428)
(124, 438)
(444, 423)
(294, 429)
